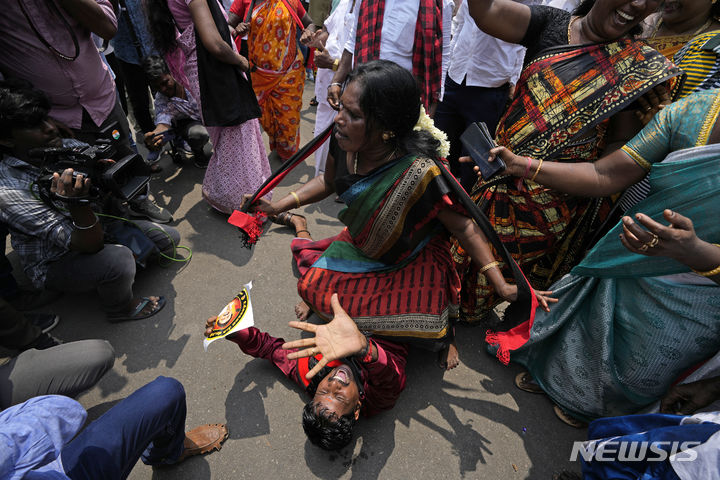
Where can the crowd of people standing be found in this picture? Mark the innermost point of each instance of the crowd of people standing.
(595, 234)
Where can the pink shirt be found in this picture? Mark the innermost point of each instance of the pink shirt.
(180, 10)
(71, 85)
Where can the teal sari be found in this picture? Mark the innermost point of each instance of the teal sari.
(623, 330)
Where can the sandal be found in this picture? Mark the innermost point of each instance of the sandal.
(568, 419)
(525, 382)
(203, 439)
(137, 313)
(285, 218)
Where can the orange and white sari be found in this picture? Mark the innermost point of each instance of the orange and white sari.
(279, 77)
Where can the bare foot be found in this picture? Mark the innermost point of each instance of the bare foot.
(300, 224)
(448, 357)
(302, 311)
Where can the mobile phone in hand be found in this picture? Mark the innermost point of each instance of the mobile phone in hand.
(477, 141)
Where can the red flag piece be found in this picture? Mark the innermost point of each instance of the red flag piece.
(249, 225)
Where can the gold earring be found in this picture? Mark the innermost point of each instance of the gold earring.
(385, 137)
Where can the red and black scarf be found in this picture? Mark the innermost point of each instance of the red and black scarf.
(427, 48)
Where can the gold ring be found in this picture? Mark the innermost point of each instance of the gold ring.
(644, 247)
(312, 352)
(654, 241)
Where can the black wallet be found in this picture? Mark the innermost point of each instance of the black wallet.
(477, 141)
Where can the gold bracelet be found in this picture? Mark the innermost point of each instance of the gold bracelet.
(297, 199)
(710, 273)
(489, 266)
(537, 171)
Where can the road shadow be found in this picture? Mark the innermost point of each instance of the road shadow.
(245, 402)
(462, 415)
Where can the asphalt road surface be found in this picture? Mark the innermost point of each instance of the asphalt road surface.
(471, 422)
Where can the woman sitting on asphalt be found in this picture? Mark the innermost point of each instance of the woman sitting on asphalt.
(391, 266)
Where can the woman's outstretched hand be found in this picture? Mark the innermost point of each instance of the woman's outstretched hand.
(259, 205)
(340, 338)
(509, 292)
(645, 236)
(514, 164)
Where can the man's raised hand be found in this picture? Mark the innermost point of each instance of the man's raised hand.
(338, 339)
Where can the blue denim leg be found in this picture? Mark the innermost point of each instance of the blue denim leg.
(149, 423)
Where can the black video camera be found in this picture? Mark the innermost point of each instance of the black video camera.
(125, 177)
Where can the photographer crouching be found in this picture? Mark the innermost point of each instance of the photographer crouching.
(61, 244)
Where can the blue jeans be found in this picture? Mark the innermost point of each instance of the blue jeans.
(149, 424)
(461, 106)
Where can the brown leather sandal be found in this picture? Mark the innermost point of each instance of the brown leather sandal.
(203, 439)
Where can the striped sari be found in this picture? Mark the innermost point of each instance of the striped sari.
(700, 60)
(560, 112)
(391, 265)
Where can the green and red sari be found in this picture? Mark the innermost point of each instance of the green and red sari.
(560, 112)
(391, 265)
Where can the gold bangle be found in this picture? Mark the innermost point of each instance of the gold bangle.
(489, 266)
(297, 199)
(336, 64)
(710, 273)
(537, 171)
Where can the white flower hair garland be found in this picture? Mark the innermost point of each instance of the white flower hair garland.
(426, 123)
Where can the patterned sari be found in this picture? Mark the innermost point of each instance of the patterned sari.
(626, 325)
(391, 265)
(669, 45)
(564, 100)
(279, 77)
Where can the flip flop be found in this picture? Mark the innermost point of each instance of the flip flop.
(525, 382)
(568, 419)
(137, 313)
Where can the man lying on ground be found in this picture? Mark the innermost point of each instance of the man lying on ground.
(345, 372)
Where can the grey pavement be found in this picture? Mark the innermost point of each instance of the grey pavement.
(471, 422)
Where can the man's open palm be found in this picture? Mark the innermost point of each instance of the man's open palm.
(338, 339)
